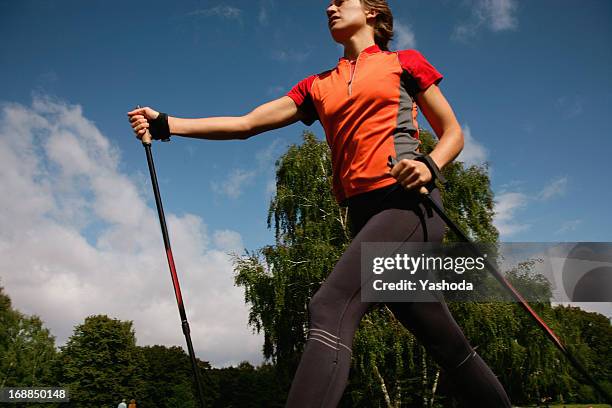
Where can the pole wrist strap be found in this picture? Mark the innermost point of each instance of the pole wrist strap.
(159, 128)
(433, 168)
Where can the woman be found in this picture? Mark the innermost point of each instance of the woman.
(367, 105)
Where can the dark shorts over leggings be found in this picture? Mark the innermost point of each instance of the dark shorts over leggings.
(387, 215)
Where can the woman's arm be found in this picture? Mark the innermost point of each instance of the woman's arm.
(442, 119)
(271, 115)
(439, 114)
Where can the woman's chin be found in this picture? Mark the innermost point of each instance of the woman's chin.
(339, 36)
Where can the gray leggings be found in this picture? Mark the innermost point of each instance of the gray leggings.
(386, 215)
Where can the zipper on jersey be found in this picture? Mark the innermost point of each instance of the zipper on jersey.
(353, 71)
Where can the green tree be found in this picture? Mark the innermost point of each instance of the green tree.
(246, 386)
(389, 367)
(169, 379)
(27, 349)
(588, 336)
(311, 233)
(101, 364)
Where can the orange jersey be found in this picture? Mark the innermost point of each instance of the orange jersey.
(368, 111)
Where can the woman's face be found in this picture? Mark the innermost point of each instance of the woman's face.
(345, 18)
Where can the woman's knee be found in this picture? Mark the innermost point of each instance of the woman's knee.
(435, 327)
(321, 307)
(338, 313)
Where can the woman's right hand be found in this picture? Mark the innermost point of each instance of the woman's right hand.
(139, 120)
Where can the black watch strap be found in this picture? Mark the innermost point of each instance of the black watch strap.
(159, 128)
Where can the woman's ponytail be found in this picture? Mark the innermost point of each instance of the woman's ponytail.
(383, 27)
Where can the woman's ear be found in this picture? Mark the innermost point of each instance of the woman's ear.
(371, 14)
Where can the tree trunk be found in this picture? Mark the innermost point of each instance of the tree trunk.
(424, 379)
(383, 387)
(433, 389)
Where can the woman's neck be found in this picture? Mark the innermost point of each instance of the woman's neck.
(356, 44)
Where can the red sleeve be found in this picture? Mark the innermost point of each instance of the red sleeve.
(300, 94)
(419, 68)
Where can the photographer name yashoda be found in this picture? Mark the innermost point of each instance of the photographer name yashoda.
(422, 284)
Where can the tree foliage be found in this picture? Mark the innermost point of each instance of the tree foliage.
(101, 364)
(169, 379)
(311, 233)
(27, 349)
(389, 367)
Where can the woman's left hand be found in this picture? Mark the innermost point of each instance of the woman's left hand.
(412, 174)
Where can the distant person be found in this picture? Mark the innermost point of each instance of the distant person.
(122, 404)
(132, 404)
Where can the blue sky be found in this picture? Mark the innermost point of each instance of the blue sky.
(529, 82)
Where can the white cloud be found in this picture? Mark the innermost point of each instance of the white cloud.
(234, 184)
(266, 161)
(264, 11)
(473, 152)
(512, 184)
(495, 15)
(568, 226)
(290, 55)
(266, 158)
(506, 206)
(276, 91)
(237, 180)
(60, 175)
(498, 14)
(464, 32)
(228, 240)
(404, 37)
(271, 187)
(554, 189)
(509, 203)
(222, 10)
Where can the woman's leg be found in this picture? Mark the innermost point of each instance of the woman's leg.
(434, 326)
(336, 310)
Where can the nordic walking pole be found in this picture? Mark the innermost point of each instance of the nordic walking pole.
(515, 294)
(175, 282)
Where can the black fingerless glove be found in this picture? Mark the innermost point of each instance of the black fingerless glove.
(159, 128)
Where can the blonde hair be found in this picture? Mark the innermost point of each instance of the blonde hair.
(383, 26)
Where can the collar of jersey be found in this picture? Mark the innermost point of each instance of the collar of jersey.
(370, 50)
